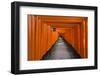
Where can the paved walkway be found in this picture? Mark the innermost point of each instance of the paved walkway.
(60, 50)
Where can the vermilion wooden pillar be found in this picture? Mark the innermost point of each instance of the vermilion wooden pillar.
(41, 36)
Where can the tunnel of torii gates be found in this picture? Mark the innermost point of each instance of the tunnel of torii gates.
(43, 32)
